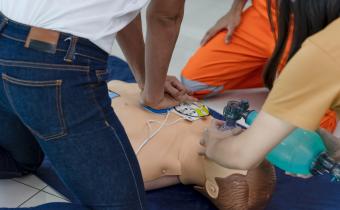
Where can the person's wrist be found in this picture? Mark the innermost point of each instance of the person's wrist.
(152, 102)
(140, 85)
(235, 11)
(151, 99)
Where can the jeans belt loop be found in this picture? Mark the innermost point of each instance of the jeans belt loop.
(3, 23)
(69, 57)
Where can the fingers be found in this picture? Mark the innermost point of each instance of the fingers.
(331, 142)
(229, 34)
(185, 93)
(217, 123)
(170, 100)
(237, 131)
(186, 98)
(204, 137)
(215, 131)
(179, 86)
(177, 90)
(325, 134)
(203, 143)
(171, 90)
(210, 34)
(181, 96)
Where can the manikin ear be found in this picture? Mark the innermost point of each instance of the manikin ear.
(232, 193)
(242, 192)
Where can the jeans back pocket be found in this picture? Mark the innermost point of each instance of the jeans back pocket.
(38, 105)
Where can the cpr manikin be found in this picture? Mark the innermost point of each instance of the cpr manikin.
(170, 155)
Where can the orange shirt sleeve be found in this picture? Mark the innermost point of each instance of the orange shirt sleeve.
(307, 88)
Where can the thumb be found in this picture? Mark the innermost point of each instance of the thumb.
(237, 131)
(229, 34)
(209, 35)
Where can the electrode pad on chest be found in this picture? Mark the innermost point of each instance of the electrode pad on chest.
(191, 111)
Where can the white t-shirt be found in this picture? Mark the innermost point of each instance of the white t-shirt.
(96, 20)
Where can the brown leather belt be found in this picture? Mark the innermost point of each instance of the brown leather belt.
(43, 40)
(50, 41)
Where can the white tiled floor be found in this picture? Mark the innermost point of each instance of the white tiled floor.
(31, 181)
(13, 194)
(27, 192)
(42, 198)
(200, 15)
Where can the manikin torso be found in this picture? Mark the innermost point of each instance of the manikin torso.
(173, 151)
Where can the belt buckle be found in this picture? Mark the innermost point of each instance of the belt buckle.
(43, 40)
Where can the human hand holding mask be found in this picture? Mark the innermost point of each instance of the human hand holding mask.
(213, 136)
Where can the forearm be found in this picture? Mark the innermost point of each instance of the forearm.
(248, 149)
(131, 42)
(238, 6)
(164, 19)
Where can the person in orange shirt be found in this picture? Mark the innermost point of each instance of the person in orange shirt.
(235, 51)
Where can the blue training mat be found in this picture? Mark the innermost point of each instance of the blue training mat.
(317, 193)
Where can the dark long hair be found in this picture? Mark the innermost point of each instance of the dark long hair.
(308, 17)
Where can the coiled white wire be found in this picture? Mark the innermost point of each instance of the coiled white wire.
(162, 125)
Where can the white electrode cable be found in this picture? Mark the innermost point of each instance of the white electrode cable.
(163, 124)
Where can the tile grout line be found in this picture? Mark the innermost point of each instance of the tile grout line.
(29, 185)
(41, 190)
(30, 197)
(58, 196)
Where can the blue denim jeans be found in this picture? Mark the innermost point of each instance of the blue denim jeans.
(61, 109)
